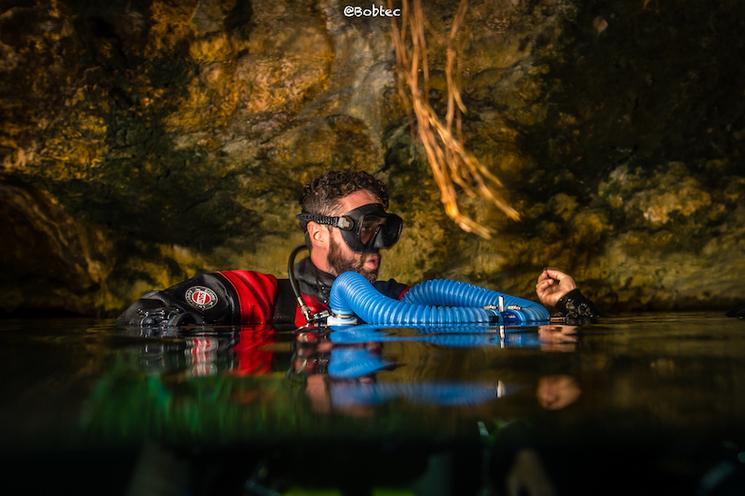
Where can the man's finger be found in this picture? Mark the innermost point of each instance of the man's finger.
(555, 273)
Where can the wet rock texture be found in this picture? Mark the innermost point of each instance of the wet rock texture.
(143, 142)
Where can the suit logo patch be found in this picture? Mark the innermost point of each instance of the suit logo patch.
(201, 297)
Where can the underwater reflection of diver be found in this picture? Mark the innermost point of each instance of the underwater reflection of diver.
(252, 414)
(342, 375)
(548, 337)
(204, 350)
(193, 393)
(341, 369)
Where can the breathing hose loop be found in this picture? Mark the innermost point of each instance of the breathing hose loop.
(433, 302)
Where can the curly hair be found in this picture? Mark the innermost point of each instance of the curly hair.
(321, 196)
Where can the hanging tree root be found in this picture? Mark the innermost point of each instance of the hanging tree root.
(452, 165)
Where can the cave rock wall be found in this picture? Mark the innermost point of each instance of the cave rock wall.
(143, 142)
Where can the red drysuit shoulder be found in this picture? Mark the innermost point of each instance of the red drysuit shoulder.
(256, 292)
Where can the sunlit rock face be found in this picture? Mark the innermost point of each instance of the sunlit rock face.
(143, 142)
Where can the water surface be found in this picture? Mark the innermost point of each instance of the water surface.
(655, 401)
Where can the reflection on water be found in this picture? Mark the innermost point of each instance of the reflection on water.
(660, 395)
(557, 391)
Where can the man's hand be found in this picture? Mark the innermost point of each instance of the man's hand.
(552, 285)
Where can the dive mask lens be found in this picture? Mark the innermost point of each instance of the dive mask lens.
(391, 231)
(370, 227)
(374, 228)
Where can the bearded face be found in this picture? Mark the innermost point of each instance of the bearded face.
(352, 261)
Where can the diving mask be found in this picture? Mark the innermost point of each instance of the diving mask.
(365, 229)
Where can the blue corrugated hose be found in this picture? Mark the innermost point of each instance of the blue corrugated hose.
(430, 303)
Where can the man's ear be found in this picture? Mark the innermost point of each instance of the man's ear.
(318, 235)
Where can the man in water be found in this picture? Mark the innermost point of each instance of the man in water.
(346, 225)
